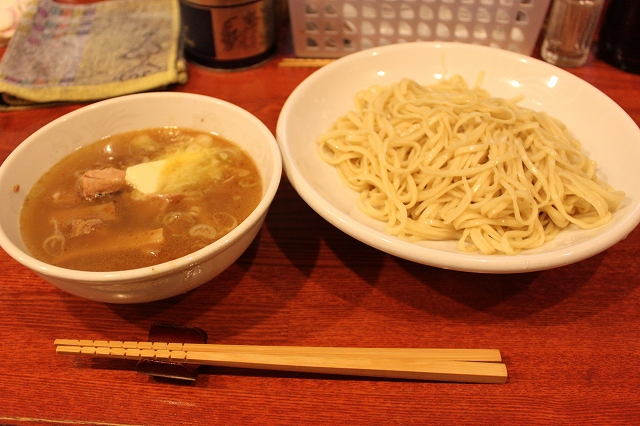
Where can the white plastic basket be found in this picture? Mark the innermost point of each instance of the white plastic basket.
(334, 28)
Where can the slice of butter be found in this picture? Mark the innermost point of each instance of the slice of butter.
(147, 177)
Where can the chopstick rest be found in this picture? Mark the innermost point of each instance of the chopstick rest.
(450, 365)
(171, 370)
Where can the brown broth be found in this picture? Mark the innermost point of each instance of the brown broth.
(124, 236)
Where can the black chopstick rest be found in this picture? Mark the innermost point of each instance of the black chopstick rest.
(169, 370)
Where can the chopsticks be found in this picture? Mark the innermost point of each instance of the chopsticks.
(450, 365)
(305, 62)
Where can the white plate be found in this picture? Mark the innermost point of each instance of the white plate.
(608, 135)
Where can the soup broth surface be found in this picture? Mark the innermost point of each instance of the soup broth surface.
(201, 186)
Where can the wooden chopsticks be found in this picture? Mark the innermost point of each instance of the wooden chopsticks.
(451, 365)
(304, 62)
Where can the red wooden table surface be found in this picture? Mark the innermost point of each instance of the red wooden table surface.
(570, 337)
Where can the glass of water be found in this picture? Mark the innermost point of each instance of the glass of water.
(570, 31)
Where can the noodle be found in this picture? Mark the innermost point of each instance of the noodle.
(449, 162)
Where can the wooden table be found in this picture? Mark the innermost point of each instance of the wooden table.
(570, 337)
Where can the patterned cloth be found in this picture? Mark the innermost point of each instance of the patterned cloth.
(87, 52)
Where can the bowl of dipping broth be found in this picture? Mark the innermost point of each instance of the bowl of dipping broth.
(138, 198)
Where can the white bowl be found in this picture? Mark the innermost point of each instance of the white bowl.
(608, 135)
(47, 146)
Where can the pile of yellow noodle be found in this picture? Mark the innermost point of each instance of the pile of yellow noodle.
(449, 162)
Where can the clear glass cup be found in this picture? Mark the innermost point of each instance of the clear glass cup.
(570, 31)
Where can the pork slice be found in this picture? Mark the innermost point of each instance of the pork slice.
(163, 201)
(79, 227)
(99, 182)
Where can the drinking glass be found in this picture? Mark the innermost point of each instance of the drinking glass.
(570, 31)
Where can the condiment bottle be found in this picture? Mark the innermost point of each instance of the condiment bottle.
(228, 34)
(619, 39)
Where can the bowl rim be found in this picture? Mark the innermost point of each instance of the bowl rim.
(466, 262)
(165, 268)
